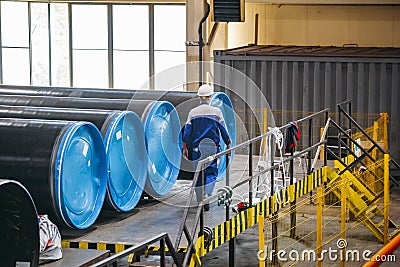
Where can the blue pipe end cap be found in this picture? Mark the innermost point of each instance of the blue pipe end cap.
(223, 102)
(163, 142)
(125, 146)
(80, 175)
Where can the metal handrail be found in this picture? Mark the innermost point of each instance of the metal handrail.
(375, 144)
(219, 194)
(226, 153)
(365, 152)
(274, 166)
(162, 238)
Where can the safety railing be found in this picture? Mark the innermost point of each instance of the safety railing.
(351, 142)
(223, 195)
(164, 242)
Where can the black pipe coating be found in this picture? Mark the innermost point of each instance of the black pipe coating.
(137, 106)
(98, 117)
(19, 227)
(175, 97)
(36, 152)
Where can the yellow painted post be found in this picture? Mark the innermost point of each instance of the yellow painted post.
(386, 199)
(385, 131)
(343, 218)
(322, 152)
(375, 138)
(261, 241)
(320, 192)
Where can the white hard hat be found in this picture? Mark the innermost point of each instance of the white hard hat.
(205, 90)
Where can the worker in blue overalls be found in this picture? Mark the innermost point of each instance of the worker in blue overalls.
(204, 126)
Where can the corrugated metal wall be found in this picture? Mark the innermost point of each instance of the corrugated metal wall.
(311, 83)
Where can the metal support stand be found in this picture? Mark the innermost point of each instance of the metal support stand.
(309, 153)
(320, 195)
(293, 218)
(274, 229)
(201, 198)
(343, 219)
(231, 241)
(162, 252)
(251, 175)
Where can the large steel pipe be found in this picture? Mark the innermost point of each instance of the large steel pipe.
(175, 97)
(123, 137)
(19, 228)
(161, 125)
(62, 164)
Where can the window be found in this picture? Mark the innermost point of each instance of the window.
(169, 40)
(89, 44)
(131, 45)
(15, 43)
(68, 44)
(59, 36)
(40, 44)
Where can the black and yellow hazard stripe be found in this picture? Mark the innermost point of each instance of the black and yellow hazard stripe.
(245, 219)
(112, 247)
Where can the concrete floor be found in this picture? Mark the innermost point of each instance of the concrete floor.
(153, 217)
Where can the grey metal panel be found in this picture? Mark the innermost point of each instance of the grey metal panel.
(349, 80)
(297, 100)
(394, 118)
(307, 100)
(286, 97)
(329, 94)
(373, 93)
(361, 89)
(312, 82)
(318, 101)
(339, 83)
(384, 98)
(274, 85)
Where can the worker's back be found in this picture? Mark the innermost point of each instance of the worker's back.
(205, 123)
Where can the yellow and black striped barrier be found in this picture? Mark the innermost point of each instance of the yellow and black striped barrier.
(248, 218)
(112, 247)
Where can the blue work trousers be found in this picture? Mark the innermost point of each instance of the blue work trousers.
(211, 171)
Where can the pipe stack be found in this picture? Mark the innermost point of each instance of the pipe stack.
(79, 146)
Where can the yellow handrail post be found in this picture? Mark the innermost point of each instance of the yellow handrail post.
(386, 199)
(261, 241)
(320, 192)
(343, 218)
(385, 131)
(375, 138)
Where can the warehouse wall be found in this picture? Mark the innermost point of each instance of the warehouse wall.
(336, 25)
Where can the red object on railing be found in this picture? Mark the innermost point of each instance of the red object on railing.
(389, 248)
